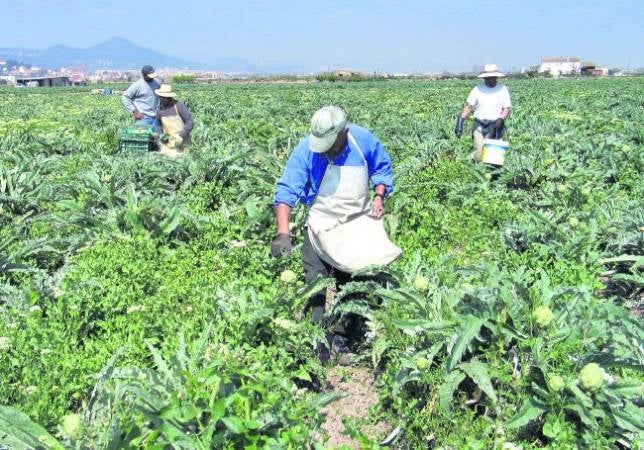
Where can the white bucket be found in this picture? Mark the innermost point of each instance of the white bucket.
(494, 151)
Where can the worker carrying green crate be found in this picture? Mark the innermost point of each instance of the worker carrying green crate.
(174, 121)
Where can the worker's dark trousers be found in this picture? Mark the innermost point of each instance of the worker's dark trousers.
(349, 325)
(314, 266)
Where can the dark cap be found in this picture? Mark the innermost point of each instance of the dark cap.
(148, 71)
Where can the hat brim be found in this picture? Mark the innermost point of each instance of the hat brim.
(321, 144)
(152, 75)
(491, 75)
(165, 94)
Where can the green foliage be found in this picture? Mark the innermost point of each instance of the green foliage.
(334, 76)
(142, 288)
(19, 431)
(183, 79)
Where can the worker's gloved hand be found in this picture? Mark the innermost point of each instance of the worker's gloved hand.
(498, 126)
(460, 124)
(137, 114)
(281, 245)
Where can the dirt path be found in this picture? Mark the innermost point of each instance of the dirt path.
(359, 384)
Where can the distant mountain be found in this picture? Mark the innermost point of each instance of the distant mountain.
(115, 53)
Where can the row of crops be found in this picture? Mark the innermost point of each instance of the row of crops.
(140, 309)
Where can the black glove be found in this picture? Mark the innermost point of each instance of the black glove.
(498, 128)
(460, 123)
(281, 245)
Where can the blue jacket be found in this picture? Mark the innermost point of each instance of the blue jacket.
(304, 170)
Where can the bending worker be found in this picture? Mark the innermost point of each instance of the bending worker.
(174, 120)
(331, 171)
(491, 104)
(140, 100)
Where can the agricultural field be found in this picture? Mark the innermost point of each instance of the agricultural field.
(140, 309)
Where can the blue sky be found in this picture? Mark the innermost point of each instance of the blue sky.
(369, 35)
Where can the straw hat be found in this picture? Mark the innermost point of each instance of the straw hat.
(165, 90)
(490, 70)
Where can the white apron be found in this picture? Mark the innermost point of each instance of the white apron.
(173, 126)
(340, 227)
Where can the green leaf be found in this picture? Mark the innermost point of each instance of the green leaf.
(253, 212)
(132, 200)
(18, 431)
(626, 388)
(182, 413)
(630, 418)
(171, 222)
(172, 433)
(253, 424)
(635, 279)
(552, 428)
(447, 389)
(145, 399)
(234, 424)
(477, 371)
(315, 287)
(608, 360)
(171, 375)
(403, 377)
(378, 349)
(321, 400)
(622, 258)
(402, 296)
(584, 400)
(415, 326)
(584, 414)
(217, 410)
(468, 332)
(303, 374)
(529, 411)
(108, 370)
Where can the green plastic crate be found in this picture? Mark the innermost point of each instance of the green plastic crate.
(137, 139)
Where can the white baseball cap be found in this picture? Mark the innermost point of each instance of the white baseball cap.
(326, 124)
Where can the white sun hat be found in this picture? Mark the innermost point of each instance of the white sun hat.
(326, 124)
(165, 90)
(490, 70)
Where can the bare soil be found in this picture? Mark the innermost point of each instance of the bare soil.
(359, 384)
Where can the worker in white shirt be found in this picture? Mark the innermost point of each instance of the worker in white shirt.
(491, 104)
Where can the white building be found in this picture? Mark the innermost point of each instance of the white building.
(560, 66)
(9, 79)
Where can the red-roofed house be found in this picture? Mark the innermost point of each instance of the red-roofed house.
(77, 77)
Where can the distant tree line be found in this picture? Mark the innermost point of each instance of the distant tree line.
(183, 79)
(354, 76)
